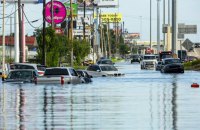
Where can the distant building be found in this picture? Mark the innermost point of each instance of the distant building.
(31, 45)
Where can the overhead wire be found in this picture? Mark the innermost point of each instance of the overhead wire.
(29, 21)
(11, 13)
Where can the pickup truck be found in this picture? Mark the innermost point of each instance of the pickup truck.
(148, 62)
(62, 75)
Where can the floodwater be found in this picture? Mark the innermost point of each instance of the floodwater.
(140, 100)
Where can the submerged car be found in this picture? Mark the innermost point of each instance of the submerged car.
(83, 74)
(172, 65)
(105, 61)
(21, 76)
(103, 70)
(39, 68)
(135, 58)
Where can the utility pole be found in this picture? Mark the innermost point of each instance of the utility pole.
(150, 22)
(23, 37)
(169, 29)
(20, 32)
(44, 33)
(84, 20)
(3, 41)
(164, 24)
(52, 14)
(108, 33)
(10, 37)
(16, 45)
(174, 33)
(71, 32)
(158, 26)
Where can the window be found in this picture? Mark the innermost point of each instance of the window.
(23, 67)
(93, 68)
(73, 72)
(56, 71)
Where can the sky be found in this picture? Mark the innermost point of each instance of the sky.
(135, 13)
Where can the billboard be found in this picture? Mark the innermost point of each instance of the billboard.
(111, 17)
(107, 3)
(88, 20)
(59, 14)
(75, 9)
(25, 1)
(79, 32)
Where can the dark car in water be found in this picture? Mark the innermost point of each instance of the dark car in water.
(21, 76)
(158, 65)
(83, 74)
(105, 61)
(172, 65)
(135, 58)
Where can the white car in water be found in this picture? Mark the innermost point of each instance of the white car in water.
(148, 62)
(103, 70)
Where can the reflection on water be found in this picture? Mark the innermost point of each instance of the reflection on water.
(140, 100)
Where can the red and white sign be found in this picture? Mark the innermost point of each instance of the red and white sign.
(59, 31)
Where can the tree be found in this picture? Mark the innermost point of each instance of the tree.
(123, 49)
(58, 48)
(81, 50)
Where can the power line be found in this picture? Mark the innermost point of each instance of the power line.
(10, 14)
(32, 21)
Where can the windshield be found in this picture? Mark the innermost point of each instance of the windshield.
(149, 57)
(172, 61)
(20, 75)
(108, 68)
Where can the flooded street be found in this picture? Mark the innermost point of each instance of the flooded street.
(140, 100)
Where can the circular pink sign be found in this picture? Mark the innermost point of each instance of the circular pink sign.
(59, 12)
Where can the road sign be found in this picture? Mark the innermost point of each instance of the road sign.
(187, 29)
(187, 44)
(180, 36)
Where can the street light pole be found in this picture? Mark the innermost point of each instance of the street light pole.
(163, 23)
(174, 33)
(158, 26)
(44, 33)
(3, 41)
(84, 21)
(71, 32)
(150, 22)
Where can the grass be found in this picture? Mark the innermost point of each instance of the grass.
(194, 65)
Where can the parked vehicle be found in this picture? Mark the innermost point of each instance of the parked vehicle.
(21, 76)
(135, 58)
(158, 65)
(103, 70)
(39, 68)
(148, 62)
(182, 55)
(62, 75)
(105, 61)
(83, 74)
(165, 54)
(170, 65)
